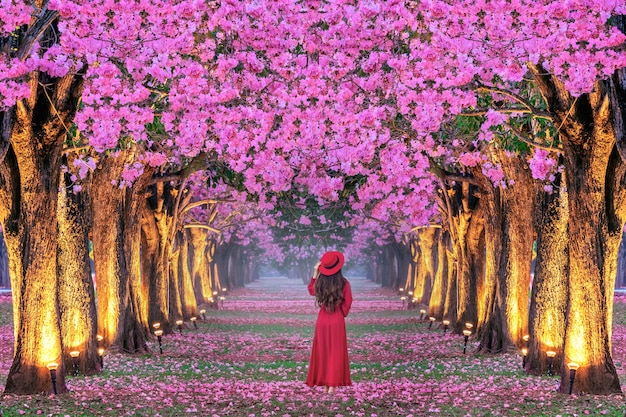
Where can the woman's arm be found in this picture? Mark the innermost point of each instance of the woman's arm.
(347, 299)
(316, 273)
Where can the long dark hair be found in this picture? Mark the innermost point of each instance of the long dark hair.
(329, 290)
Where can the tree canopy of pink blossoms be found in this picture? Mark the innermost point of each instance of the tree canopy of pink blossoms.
(301, 95)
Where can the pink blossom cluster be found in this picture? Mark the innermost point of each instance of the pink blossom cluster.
(542, 164)
(294, 94)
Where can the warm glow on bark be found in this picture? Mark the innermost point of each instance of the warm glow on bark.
(547, 339)
(77, 336)
(575, 350)
(49, 349)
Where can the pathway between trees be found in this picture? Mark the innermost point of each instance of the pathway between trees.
(250, 359)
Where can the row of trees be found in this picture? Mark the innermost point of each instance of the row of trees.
(357, 102)
(154, 261)
(457, 273)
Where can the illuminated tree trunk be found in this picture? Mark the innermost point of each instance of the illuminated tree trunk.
(35, 130)
(417, 284)
(199, 266)
(118, 321)
(469, 222)
(76, 293)
(411, 272)
(176, 305)
(548, 303)
(190, 306)
(490, 326)
(518, 237)
(588, 139)
(451, 302)
(155, 231)
(427, 264)
(137, 331)
(438, 296)
(510, 229)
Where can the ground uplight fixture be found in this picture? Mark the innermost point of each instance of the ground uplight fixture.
(159, 335)
(75, 354)
(432, 320)
(179, 325)
(550, 354)
(422, 314)
(214, 292)
(99, 338)
(156, 325)
(469, 326)
(466, 335)
(203, 314)
(573, 367)
(52, 367)
(446, 324)
(193, 320)
(101, 356)
(524, 355)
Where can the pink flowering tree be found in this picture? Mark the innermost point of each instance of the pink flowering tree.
(302, 96)
(566, 71)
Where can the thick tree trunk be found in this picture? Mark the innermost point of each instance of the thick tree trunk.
(137, 326)
(189, 303)
(469, 231)
(200, 268)
(411, 273)
(427, 264)
(31, 235)
(35, 129)
(451, 301)
(231, 274)
(154, 270)
(175, 298)
(508, 274)
(117, 318)
(491, 327)
(588, 138)
(77, 304)
(518, 237)
(438, 296)
(549, 294)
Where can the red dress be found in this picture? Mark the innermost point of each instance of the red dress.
(329, 364)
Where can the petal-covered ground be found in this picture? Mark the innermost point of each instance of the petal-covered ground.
(250, 359)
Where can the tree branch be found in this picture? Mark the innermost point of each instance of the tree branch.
(34, 32)
(531, 142)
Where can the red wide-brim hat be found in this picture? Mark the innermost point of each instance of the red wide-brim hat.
(331, 263)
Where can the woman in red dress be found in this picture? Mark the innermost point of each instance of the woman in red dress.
(329, 366)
